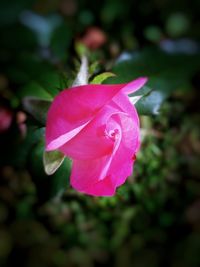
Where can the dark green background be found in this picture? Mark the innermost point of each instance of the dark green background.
(154, 219)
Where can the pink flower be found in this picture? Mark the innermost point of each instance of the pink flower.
(93, 38)
(98, 128)
(6, 117)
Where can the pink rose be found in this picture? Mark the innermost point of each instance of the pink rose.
(98, 128)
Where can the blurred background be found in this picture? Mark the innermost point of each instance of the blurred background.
(154, 219)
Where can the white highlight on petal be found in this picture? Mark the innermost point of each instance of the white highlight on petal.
(61, 140)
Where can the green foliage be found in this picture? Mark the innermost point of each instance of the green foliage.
(177, 24)
(37, 107)
(161, 70)
(48, 187)
(147, 105)
(153, 220)
(52, 161)
(100, 78)
(150, 104)
(60, 41)
(159, 66)
(134, 226)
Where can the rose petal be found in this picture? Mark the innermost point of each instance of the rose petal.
(122, 102)
(62, 139)
(72, 109)
(86, 175)
(135, 85)
(122, 163)
(92, 142)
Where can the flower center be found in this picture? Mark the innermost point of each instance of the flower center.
(112, 134)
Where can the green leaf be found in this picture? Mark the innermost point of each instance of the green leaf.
(144, 91)
(102, 77)
(52, 161)
(47, 186)
(93, 68)
(34, 89)
(53, 82)
(147, 101)
(150, 104)
(37, 108)
(166, 73)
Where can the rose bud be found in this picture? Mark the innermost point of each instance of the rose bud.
(98, 128)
